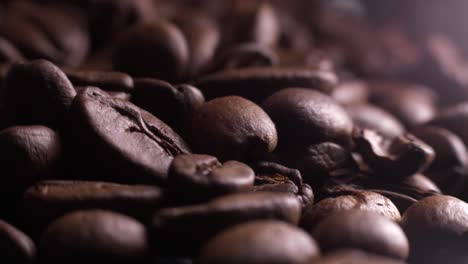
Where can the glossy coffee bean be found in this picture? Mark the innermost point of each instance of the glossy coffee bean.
(237, 129)
(108, 81)
(436, 228)
(354, 256)
(198, 177)
(348, 200)
(15, 246)
(304, 117)
(154, 49)
(372, 117)
(123, 142)
(258, 83)
(171, 226)
(37, 92)
(95, 235)
(270, 241)
(367, 231)
(48, 200)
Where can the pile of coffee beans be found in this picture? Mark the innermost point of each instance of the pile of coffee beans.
(237, 131)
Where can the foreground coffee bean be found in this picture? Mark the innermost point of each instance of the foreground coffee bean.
(154, 49)
(96, 235)
(304, 117)
(37, 92)
(199, 177)
(170, 227)
(48, 200)
(436, 228)
(372, 117)
(121, 141)
(354, 256)
(367, 231)
(108, 81)
(237, 129)
(15, 246)
(269, 241)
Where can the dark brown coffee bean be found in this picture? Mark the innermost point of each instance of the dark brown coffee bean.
(395, 158)
(37, 92)
(199, 177)
(347, 200)
(171, 104)
(367, 231)
(257, 84)
(351, 93)
(15, 246)
(8, 52)
(172, 226)
(90, 236)
(121, 141)
(232, 128)
(157, 49)
(108, 81)
(453, 119)
(354, 256)
(305, 117)
(48, 200)
(372, 117)
(436, 228)
(270, 241)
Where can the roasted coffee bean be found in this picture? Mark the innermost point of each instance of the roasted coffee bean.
(171, 104)
(95, 235)
(258, 83)
(119, 95)
(198, 177)
(270, 241)
(237, 129)
(436, 228)
(351, 93)
(121, 141)
(453, 119)
(367, 231)
(395, 158)
(154, 49)
(354, 256)
(37, 92)
(108, 81)
(8, 52)
(305, 117)
(48, 200)
(15, 246)
(170, 227)
(372, 117)
(348, 200)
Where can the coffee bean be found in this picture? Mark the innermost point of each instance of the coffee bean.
(367, 231)
(237, 129)
(123, 142)
(8, 52)
(96, 235)
(37, 92)
(258, 83)
(453, 118)
(198, 177)
(270, 241)
(350, 93)
(436, 228)
(171, 226)
(108, 81)
(354, 256)
(15, 246)
(48, 200)
(304, 117)
(372, 117)
(153, 49)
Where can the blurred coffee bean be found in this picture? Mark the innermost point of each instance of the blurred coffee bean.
(453, 118)
(154, 49)
(346, 200)
(172, 104)
(372, 117)
(354, 256)
(237, 129)
(258, 83)
(350, 93)
(171, 226)
(108, 81)
(120, 141)
(304, 117)
(37, 92)
(8, 52)
(366, 231)
(15, 246)
(436, 228)
(94, 235)
(270, 241)
(199, 177)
